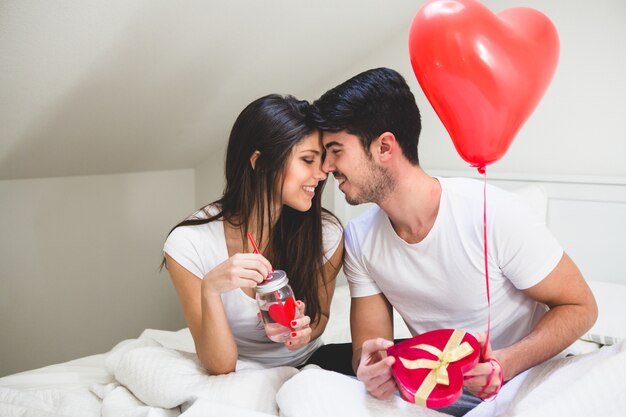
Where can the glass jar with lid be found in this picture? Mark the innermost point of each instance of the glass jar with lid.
(277, 305)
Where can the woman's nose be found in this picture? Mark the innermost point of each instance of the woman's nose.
(320, 174)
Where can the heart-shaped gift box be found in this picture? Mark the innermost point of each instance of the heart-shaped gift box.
(429, 367)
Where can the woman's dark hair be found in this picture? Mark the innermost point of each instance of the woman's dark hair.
(369, 104)
(273, 125)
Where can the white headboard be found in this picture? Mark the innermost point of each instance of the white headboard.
(586, 214)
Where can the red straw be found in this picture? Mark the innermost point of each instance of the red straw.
(255, 247)
(253, 243)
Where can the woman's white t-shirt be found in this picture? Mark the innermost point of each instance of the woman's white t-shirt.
(200, 248)
(440, 281)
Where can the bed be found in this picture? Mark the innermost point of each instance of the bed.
(158, 374)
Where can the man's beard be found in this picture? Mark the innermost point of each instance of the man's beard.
(376, 185)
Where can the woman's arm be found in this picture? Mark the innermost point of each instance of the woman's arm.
(203, 309)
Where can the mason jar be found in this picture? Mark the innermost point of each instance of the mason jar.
(277, 305)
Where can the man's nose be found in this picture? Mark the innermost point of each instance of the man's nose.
(327, 165)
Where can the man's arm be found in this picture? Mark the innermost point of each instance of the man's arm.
(572, 311)
(371, 325)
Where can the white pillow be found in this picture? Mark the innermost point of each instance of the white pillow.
(610, 328)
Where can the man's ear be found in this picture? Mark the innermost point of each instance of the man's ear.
(385, 146)
(255, 155)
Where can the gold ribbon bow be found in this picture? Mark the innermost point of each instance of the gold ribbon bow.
(452, 352)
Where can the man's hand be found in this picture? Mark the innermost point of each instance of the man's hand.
(485, 379)
(375, 368)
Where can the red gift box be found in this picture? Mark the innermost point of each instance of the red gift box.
(429, 367)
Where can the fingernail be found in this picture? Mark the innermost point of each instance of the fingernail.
(289, 343)
(294, 334)
(293, 323)
(299, 302)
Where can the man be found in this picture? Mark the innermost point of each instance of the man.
(421, 249)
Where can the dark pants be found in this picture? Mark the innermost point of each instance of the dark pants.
(334, 357)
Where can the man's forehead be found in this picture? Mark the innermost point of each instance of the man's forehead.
(336, 139)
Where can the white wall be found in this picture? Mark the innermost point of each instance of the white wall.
(577, 128)
(79, 263)
(209, 177)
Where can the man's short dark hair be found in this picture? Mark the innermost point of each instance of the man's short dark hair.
(369, 104)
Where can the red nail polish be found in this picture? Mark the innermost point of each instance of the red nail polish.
(289, 343)
(294, 334)
(293, 323)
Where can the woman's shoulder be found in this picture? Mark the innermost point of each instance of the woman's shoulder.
(332, 232)
(195, 233)
(197, 246)
(331, 224)
(205, 212)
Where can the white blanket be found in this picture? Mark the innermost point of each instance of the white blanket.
(158, 375)
(586, 385)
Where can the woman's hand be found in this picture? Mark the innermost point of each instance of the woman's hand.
(300, 331)
(238, 271)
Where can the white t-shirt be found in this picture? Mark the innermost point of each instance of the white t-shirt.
(201, 248)
(440, 281)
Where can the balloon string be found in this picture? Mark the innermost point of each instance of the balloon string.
(483, 171)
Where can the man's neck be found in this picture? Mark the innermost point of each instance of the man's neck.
(413, 205)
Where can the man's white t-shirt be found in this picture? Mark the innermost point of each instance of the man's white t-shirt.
(440, 282)
(201, 248)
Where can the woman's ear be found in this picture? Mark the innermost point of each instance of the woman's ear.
(255, 155)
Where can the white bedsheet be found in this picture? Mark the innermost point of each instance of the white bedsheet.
(587, 385)
(158, 375)
(591, 384)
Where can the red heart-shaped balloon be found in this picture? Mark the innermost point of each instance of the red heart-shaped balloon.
(483, 73)
(411, 376)
(283, 313)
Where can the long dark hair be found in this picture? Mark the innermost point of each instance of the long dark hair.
(273, 125)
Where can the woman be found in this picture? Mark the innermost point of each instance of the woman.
(273, 190)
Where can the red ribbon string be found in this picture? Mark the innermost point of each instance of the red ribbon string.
(483, 171)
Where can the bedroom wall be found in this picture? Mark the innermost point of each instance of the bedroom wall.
(80, 257)
(209, 177)
(577, 127)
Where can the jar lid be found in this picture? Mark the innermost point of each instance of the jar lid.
(274, 281)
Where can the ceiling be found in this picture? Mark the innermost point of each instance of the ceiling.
(102, 87)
